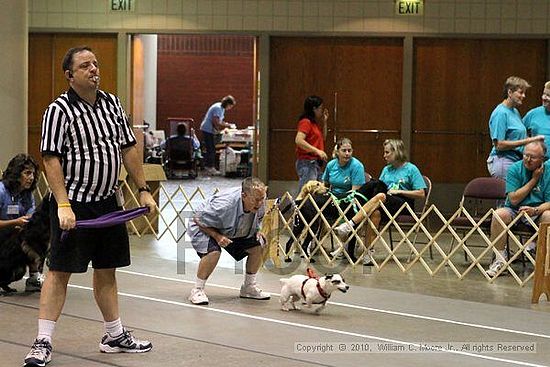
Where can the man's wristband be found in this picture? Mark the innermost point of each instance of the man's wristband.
(144, 188)
(64, 205)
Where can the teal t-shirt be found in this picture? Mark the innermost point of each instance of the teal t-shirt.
(518, 176)
(505, 124)
(342, 178)
(538, 121)
(406, 177)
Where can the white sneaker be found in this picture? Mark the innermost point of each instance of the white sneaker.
(40, 354)
(124, 343)
(531, 246)
(367, 259)
(254, 292)
(337, 254)
(198, 297)
(212, 171)
(34, 283)
(343, 229)
(495, 267)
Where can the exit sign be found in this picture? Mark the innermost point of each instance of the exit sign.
(122, 5)
(411, 7)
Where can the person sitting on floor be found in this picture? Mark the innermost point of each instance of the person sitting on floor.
(17, 205)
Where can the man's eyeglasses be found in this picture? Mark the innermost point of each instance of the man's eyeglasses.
(529, 157)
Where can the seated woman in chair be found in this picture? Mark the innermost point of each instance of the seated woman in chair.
(345, 174)
(403, 179)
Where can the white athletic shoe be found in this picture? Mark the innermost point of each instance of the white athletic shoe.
(198, 297)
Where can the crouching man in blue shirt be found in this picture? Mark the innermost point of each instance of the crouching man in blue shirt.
(230, 219)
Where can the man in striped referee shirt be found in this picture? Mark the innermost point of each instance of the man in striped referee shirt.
(85, 140)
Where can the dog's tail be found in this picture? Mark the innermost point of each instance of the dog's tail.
(283, 280)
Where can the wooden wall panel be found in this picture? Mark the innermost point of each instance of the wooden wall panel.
(40, 88)
(105, 49)
(457, 84)
(47, 81)
(361, 76)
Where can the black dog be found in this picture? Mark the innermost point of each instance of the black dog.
(22, 247)
(330, 212)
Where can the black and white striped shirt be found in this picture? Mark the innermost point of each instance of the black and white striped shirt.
(89, 140)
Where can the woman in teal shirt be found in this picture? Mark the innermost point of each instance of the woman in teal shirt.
(404, 180)
(508, 133)
(344, 172)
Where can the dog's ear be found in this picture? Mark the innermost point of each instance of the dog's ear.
(328, 276)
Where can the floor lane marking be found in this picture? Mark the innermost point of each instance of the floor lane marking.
(364, 308)
(312, 327)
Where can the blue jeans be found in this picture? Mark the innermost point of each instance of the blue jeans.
(307, 169)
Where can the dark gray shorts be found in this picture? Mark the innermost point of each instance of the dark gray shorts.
(105, 247)
(237, 248)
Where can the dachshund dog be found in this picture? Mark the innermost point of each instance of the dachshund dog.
(22, 247)
(320, 196)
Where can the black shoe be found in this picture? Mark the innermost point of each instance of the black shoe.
(8, 289)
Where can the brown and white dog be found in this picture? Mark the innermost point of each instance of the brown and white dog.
(312, 187)
(310, 289)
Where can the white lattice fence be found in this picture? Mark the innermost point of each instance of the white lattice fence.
(441, 238)
(436, 230)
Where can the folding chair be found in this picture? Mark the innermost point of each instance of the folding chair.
(407, 221)
(480, 195)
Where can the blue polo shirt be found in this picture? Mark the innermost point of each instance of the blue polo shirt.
(224, 212)
(538, 121)
(505, 124)
(24, 200)
(518, 176)
(216, 110)
(343, 178)
(407, 177)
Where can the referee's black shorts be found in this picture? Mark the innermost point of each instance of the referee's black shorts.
(105, 247)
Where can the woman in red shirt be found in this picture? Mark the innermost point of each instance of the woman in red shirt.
(310, 144)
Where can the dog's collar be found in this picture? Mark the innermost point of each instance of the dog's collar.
(322, 293)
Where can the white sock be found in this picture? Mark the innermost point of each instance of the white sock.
(531, 246)
(113, 328)
(249, 279)
(504, 254)
(45, 329)
(200, 283)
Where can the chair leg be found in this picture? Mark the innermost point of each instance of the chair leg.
(391, 238)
